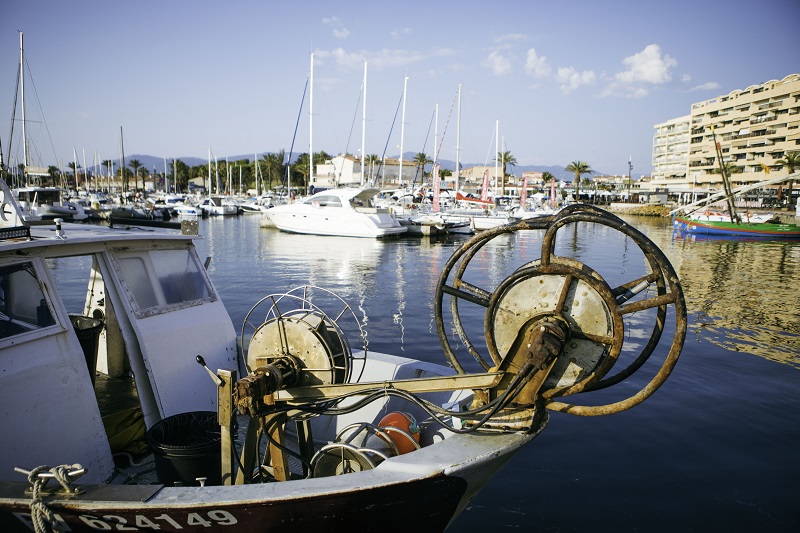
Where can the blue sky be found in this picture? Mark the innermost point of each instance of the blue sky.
(579, 80)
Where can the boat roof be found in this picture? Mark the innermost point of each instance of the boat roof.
(74, 236)
(348, 192)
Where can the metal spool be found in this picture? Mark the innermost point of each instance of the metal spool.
(566, 291)
(358, 447)
(310, 335)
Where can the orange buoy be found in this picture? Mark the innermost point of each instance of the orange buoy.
(406, 423)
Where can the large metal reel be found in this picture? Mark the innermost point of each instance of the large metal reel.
(291, 325)
(553, 286)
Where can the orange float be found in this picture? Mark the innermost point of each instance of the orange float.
(408, 440)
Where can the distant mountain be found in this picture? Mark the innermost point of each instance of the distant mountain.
(157, 163)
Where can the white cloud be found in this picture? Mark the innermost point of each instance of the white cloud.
(537, 65)
(647, 66)
(497, 63)
(708, 86)
(337, 27)
(570, 79)
(643, 69)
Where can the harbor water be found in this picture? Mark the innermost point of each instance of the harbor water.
(714, 449)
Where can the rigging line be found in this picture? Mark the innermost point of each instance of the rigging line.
(424, 144)
(294, 136)
(489, 151)
(383, 156)
(13, 116)
(39, 104)
(353, 124)
(444, 131)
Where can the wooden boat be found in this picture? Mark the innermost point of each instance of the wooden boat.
(291, 428)
(763, 230)
(732, 223)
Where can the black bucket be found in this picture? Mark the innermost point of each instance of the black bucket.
(187, 446)
(88, 331)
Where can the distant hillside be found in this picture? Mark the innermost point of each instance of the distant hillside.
(157, 163)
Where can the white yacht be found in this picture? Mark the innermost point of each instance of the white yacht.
(346, 212)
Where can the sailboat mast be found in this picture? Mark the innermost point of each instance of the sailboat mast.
(310, 122)
(458, 140)
(85, 172)
(122, 161)
(364, 126)
(496, 151)
(25, 160)
(402, 129)
(726, 182)
(436, 134)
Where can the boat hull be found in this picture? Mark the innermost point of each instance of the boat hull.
(428, 488)
(760, 230)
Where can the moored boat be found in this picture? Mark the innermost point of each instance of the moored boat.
(765, 230)
(345, 212)
(331, 436)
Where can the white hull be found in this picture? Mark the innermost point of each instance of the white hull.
(339, 213)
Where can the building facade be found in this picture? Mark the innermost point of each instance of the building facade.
(754, 127)
(347, 171)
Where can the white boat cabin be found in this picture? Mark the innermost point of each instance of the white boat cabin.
(148, 304)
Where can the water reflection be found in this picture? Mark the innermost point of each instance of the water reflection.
(741, 294)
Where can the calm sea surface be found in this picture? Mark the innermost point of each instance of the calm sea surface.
(716, 447)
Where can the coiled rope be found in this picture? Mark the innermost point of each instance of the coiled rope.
(44, 521)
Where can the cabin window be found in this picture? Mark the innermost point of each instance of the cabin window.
(159, 280)
(327, 201)
(23, 306)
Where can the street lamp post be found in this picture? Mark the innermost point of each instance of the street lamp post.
(630, 170)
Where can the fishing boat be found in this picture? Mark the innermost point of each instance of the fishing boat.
(290, 420)
(763, 230)
(345, 212)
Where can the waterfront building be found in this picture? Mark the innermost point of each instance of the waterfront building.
(346, 170)
(755, 127)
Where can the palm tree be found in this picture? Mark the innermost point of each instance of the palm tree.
(578, 168)
(505, 158)
(371, 160)
(274, 164)
(421, 159)
(135, 164)
(143, 173)
(792, 161)
(74, 167)
(53, 172)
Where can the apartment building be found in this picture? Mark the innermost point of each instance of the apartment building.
(755, 127)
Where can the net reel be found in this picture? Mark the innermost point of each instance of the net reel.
(300, 343)
(559, 315)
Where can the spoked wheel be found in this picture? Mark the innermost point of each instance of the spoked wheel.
(310, 333)
(565, 290)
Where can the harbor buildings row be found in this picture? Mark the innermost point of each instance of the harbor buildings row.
(755, 128)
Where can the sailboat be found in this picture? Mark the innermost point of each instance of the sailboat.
(732, 223)
(39, 204)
